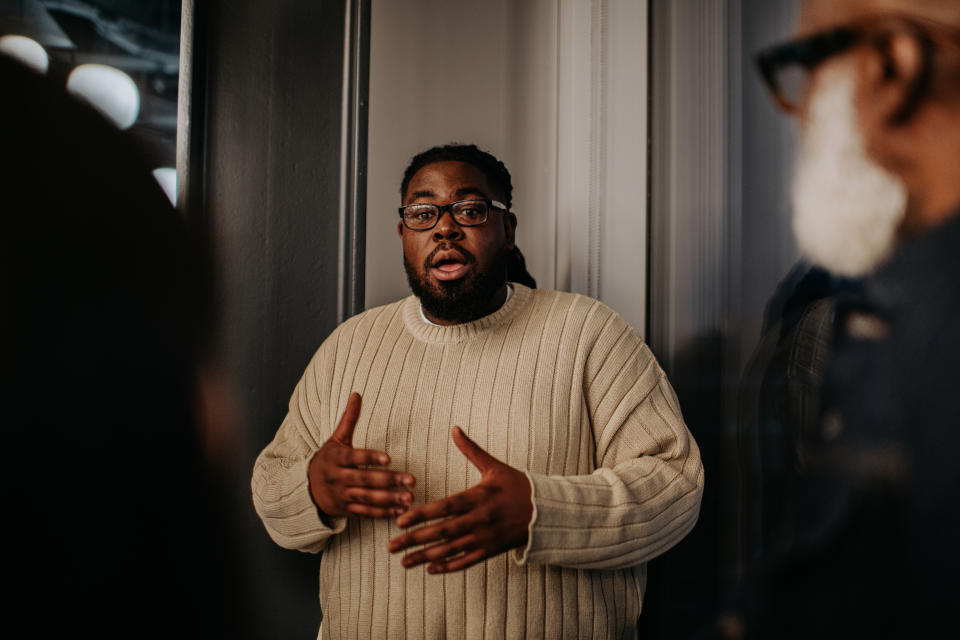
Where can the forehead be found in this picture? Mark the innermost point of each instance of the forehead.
(819, 15)
(448, 179)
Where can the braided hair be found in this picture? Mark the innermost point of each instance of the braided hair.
(498, 177)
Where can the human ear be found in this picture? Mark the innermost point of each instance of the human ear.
(400, 228)
(896, 75)
(510, 229)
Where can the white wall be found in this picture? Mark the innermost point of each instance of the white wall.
(554, 88)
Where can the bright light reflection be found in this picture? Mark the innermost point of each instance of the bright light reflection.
(167, 177)
(27, 51)
(111, 92)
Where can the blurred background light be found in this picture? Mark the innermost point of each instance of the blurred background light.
(26, 50)
(111, 91)
(167, 177)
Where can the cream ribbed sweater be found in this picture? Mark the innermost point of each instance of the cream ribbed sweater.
(553, 383)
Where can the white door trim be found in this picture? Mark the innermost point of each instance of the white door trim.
(601, 240)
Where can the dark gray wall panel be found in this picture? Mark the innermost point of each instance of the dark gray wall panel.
(271, 77)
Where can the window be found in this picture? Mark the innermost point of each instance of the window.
(122, 57)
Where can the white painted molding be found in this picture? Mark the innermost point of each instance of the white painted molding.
(577, 121)
(602, 153)
(690, 234)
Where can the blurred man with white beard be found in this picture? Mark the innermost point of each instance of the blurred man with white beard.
(871, 550)
(847, 208)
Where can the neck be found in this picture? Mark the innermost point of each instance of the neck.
(933, 183)
(496, 301)
(931, 207)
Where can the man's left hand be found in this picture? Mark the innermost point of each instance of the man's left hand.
(487, 519)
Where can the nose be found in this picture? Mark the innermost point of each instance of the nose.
(447, 228)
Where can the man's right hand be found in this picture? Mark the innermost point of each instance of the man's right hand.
(341, 483)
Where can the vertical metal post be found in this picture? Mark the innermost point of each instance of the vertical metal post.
(354, 158)
(190, 110)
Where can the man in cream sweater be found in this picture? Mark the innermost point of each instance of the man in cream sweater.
(519, 454)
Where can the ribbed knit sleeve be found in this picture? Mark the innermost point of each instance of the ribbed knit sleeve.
(644, 495)
(281, 492)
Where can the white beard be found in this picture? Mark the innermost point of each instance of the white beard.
(846, 207)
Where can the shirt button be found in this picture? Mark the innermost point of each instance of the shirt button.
(865, 326)
(831, 425)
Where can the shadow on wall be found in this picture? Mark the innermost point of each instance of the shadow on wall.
(683, 584)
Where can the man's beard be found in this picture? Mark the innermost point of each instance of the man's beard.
(462, 300)
(846, 207)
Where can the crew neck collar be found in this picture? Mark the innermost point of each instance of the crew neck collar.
(423, 316)
(427, 331)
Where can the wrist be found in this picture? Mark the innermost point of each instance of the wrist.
(314, 485)
(521, 553)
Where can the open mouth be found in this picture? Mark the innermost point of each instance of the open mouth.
(449, 264)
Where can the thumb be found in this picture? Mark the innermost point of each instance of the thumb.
(344, 431)
(474, 453)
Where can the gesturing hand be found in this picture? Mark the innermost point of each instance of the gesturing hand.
(340, 483)
(487, 519)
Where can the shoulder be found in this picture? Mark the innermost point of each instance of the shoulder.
(375, 315)
(605, 350)
(583, 323)
(360, 326)
(589, 314)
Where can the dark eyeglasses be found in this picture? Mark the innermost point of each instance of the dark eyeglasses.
(424, 216)
(786, 67)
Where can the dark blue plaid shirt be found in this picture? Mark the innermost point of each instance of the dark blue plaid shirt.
(877, 549)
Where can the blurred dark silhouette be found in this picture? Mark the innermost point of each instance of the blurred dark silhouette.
(866, 546)
(780, 399)
(112, 528)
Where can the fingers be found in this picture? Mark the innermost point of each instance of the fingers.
(344, 430)
(449, 529)
(374, 494)
(444, 530)
(458, 546)
(366, 511)
(474, 453)
(347, 457)
(347, 481)
(379, 498)
(371, 503)
(449, 506)
(454, 555)
(440, 551)
(373, 479)
(458, 563)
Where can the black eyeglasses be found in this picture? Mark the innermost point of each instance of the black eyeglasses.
(424, 216)
(786, 67)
